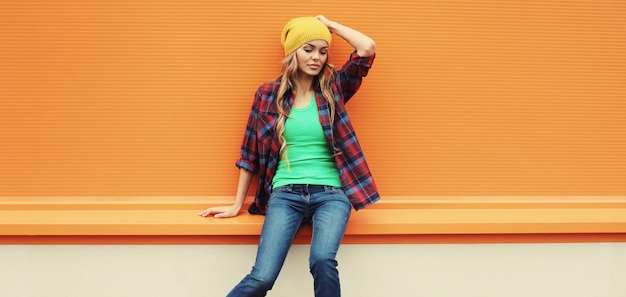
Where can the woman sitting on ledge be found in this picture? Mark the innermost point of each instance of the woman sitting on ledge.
(300, 140)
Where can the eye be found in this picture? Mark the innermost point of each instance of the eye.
(324, 52)
(308, 49)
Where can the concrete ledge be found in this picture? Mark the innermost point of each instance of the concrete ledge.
(397, 219)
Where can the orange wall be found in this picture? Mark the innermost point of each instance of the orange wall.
(465, 98)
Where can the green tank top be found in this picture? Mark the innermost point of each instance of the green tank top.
(310, 158)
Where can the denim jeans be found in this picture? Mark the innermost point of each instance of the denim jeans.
(327, 209)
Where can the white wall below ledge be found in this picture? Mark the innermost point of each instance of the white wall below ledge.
(367, 270)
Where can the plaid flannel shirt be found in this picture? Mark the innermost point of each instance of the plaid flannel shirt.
(260, 147)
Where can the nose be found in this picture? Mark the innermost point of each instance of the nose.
(316, 55)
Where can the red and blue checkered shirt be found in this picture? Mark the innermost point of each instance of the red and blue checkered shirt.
(260, 147)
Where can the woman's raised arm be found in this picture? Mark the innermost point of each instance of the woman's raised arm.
(363, 44)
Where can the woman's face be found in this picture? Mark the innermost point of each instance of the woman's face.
(312, 57)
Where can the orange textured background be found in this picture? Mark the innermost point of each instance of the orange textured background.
(465, 97)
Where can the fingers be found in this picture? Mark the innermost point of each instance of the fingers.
(323, 19)
(209, 211)
(223, 215)
(219, 212)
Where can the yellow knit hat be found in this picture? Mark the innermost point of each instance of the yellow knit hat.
(301, 30)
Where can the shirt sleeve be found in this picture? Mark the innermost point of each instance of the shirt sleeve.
(249, 159)
(352, 73)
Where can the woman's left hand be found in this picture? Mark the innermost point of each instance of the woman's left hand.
(362, 43)
(326, 22)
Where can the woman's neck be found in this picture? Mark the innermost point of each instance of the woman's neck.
(303, 92)
(305, 83)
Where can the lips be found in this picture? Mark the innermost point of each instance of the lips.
(314, 66)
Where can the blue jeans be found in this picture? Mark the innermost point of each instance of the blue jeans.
(327, 209)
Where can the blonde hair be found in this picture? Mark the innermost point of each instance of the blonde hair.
(287, 81)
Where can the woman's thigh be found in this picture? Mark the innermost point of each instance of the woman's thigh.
(282, 222)
(331, 212)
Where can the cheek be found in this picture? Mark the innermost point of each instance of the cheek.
(302, 58)
(324, 60)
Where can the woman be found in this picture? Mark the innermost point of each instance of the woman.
(301, 142)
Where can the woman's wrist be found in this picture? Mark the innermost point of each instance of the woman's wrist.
(332, 26)
(238, 204)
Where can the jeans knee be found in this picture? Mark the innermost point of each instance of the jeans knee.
(321, 262)
(262, 281)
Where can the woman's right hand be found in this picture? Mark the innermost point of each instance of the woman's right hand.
(245, 177)
(221, 211)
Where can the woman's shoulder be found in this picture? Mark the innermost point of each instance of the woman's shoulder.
(270, 86)
(266, 93)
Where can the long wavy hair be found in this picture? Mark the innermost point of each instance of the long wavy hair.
(288, 82)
